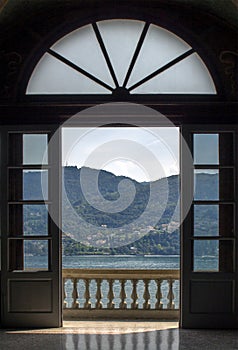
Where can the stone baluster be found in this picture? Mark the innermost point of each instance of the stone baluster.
(140, 279)
(110, 295)
(75, 303)
(64, 294)
(98, 294)
(146, 295)
(170, 295)
(122, 305)
(134, 295)
(87, 304)
(158, 304)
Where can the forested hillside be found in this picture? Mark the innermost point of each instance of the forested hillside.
(162, 237)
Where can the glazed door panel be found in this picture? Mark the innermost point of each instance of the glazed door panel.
(31, 268)
(209, 232)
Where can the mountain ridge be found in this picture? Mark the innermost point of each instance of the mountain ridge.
(162, 238)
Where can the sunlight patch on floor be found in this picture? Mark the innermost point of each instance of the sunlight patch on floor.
(102, 327)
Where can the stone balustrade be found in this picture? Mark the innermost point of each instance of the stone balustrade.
(100, 293)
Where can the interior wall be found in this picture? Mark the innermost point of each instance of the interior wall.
(29, 27)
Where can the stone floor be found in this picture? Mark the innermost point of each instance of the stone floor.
(114, 335)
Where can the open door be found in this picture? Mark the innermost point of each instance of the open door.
(31, 267)
(209, 294)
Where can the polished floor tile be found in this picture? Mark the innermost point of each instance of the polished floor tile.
(110, 335)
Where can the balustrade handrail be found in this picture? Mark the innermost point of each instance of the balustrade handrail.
(121, 273)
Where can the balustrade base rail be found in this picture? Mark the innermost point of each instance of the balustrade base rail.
(121, 294)
(72, 314)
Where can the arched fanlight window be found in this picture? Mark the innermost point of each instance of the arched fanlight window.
(121, 55)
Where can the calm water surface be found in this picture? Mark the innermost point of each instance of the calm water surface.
(152, 262)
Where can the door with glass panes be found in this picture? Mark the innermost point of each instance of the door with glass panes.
(209, 233)
(31, 294)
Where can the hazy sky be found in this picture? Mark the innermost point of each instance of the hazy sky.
(143, 154)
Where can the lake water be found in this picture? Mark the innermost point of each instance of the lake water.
(147, 262)
(151, 262)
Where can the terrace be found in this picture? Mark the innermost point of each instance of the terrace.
(121, 294)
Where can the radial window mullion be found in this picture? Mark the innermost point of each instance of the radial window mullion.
(78, 69)
(136, 54)
(162, 69)
(105, 53)
(120, 56)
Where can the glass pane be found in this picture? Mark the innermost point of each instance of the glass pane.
(36, 255)
(28, 184)
(15, 220)
(206, 184)
(189, 76)
(25, 255)
(15, 184)
(206, 255)
(15, 148)
(160, 47)
(227, 186)
(51, 76)
(226, 145)
(226, 214)
(120, 38)
(82, 48)
(206, 220)
(35, 220)
(28, 220)
(226, 263)
(16, 255)
(205, 148)
(35, 149)
(35, 184)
